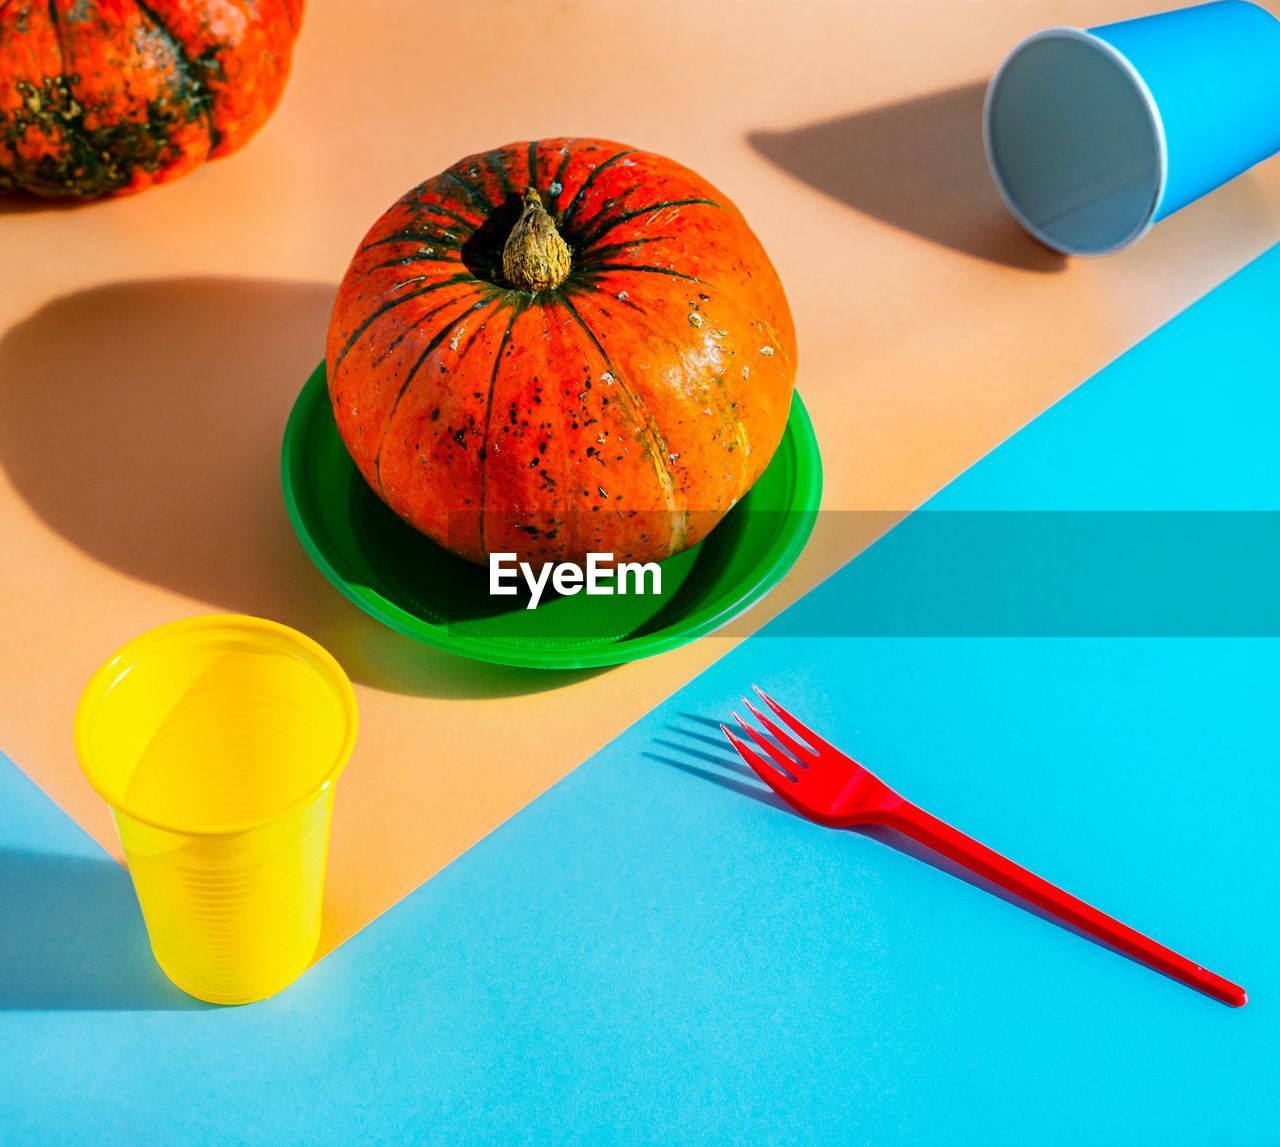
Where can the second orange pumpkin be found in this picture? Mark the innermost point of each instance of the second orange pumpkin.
(106, 97)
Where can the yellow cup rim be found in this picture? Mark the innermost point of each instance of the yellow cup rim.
(136, 649)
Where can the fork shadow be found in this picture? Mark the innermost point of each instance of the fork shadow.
(743, 783)
(730, 772)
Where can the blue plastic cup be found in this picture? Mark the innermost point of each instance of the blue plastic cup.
(1095, 135)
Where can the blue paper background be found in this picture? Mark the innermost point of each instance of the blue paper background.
(655, 951)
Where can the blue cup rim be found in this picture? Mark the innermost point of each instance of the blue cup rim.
(1129, 72)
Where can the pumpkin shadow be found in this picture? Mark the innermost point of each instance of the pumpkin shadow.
(918, 165)
(143, 422)
(19, 203)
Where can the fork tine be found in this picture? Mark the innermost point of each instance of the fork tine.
(797, 726)
(785, 739)
(766, 772)
(780, 759)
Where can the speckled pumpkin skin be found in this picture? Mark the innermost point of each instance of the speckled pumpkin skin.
(102, 97)
(625, 411)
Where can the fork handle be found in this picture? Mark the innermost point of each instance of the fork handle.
(978, 858)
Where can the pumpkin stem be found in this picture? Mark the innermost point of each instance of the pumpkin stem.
(535, 258)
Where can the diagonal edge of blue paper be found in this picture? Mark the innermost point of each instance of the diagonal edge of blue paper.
(655, 952)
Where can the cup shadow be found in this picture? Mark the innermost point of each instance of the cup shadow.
(73, 939)
(143, 422)
(918, 165)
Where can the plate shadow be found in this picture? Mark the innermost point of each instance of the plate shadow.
(143, 422)
(918, 165)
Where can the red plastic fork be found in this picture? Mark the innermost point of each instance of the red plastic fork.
(821, 783)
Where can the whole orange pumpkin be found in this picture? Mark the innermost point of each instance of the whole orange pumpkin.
(108, 96)
(562, 347)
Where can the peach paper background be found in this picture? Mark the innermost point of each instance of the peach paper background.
(150, 348)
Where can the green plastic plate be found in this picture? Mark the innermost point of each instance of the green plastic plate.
(414, 586)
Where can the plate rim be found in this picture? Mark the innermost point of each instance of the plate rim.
(776, 560)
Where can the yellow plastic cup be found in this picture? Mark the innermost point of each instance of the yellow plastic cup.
(217, 742)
